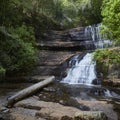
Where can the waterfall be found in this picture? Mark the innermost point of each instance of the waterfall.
(82, 71)
(99, 40)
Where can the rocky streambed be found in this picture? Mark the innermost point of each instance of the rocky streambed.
(58, 101)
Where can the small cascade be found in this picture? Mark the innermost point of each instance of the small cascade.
(81, 71)
(99, 40)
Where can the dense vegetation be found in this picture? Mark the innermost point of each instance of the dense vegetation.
(107, 59)
(17, 40)
(111, 18)
(21, 21)
(111, 26)
(26, 17)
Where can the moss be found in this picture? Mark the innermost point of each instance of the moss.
(2, 72)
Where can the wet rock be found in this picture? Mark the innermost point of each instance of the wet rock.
(18, 116)
(73, 39)
(84, 107)
(101, 106)
(49, 110)
(44, 70)
(90, 115)
(49, 62)
(74, 102)
(117, 109)
(4, 116)
(27, 106)
(4, 109)
(49, 89)
(66, 118)
(53, 58)
(96, 82)
(111, 82)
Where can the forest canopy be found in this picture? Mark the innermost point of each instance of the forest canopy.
(20, 20)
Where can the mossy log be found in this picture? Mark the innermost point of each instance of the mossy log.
(90, 115)
(28, 91)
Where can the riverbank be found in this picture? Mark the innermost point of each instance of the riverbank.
(57, 101)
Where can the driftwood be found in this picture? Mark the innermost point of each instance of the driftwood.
(28, 91)
(90, 115)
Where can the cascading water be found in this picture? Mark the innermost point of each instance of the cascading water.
(93, 33)
(81, 72)
(84, 81)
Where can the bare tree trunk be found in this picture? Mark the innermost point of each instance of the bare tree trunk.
(28, 91)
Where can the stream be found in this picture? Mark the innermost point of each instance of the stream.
(78, 84)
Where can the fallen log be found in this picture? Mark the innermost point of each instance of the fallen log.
(90, 115)
(28, 91)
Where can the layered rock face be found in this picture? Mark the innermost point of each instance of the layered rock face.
(57, 46)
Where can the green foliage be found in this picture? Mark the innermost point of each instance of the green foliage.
(23, 33)
(16, 53)
(106, 58)
(17, 39)
(66, 13)
(2, 72)
(111, 18)
(90, 11)
(111, 27)
(52, 14)
(10, 13)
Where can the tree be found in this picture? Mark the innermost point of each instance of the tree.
(111, 18)
(107, 58)
(17, 40)
(90, 11)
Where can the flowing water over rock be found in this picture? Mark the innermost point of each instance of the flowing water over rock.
(83, 90)
(94, 33)
(81, 72)
(82, 78)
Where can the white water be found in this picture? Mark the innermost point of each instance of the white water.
(82, 72)
(98, 39)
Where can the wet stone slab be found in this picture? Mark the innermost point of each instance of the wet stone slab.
(49, 62)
